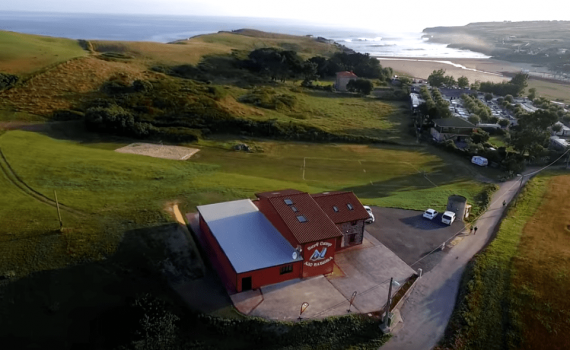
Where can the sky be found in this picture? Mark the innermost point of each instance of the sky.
(372, 14)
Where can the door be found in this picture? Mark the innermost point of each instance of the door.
(246, 283)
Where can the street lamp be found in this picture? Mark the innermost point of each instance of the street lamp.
(385, 327)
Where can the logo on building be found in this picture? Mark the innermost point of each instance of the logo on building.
(319, 255)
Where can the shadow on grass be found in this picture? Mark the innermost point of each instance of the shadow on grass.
(90, 306)
(76, 131)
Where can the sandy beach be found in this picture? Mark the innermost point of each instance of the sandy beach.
(485, 69)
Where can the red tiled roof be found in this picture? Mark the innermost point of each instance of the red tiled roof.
(277, 193)
(346, 74)
(318, 225)
(328, 200)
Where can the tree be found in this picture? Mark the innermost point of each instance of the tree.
(531, 94)
(406, 81)
(556, 127)
(363, 86)
(532, 132)
(479, 136)
(463, 82)
(476, 85)
(449, 80)
(488, 97)
(520, 80)
(437, 78)
(493, 119)
(158, 329)
(509, 98)
(474, 119)
(504, 122)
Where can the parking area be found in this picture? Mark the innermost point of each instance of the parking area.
(410, 236)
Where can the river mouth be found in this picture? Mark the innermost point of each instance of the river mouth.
(457, 65)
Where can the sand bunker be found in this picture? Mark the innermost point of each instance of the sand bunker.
(159, 151)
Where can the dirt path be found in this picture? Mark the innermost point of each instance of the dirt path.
(429, 307)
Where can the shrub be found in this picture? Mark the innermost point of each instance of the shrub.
(116, 120)
(142, 85)
(7, 80)
(268, 98)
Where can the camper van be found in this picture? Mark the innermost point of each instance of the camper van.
(481, 161)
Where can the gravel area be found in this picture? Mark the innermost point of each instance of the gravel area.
(159, 151)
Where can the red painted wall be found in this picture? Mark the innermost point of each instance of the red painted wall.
(271, 214)
(319, 266)
(218, 258)
(270, 275)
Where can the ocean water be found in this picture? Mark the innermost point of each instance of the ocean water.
(170, 28)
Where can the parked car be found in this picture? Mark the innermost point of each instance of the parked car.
(448, 217)
(430, 214)
(481, 161)
(371, 218)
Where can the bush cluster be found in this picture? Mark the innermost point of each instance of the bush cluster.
(267, 97)
(330, 333)
(7, 80)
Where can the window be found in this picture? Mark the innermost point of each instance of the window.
(288, 201)
(352, 238)
(301, 218)
(335, 209)
(294, 209)
(354, 223)
(286, 269)
(349, 206)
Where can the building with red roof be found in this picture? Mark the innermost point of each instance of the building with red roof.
(342, 78)
(347, 213)
(280, 236)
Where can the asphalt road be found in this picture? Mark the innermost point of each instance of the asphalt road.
(427, 310)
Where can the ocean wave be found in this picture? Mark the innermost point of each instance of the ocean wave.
(378, 38)
(414, 49)
(381, 45)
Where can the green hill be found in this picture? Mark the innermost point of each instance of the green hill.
(22, 54)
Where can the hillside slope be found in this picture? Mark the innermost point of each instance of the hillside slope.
(24, 53)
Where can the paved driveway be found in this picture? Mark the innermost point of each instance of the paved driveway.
(410, 236)
(368, 271)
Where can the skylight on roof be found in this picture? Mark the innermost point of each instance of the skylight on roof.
(335, 209)
(349, 206)
(288, 201)
(294, 209)
(301, 218)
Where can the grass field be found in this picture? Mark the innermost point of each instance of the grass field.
(520, 280)
(497, 141)
(25, 53)
(116, 192)
(550, 90)
(336, 113)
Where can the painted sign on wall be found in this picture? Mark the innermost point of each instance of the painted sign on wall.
(318, 254)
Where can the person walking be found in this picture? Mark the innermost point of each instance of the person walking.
(475, 230)
(471, 229)
(504, 203)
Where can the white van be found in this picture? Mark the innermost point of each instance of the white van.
(481, 161)
(448, 217)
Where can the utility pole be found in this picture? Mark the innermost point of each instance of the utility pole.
(58, 212)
